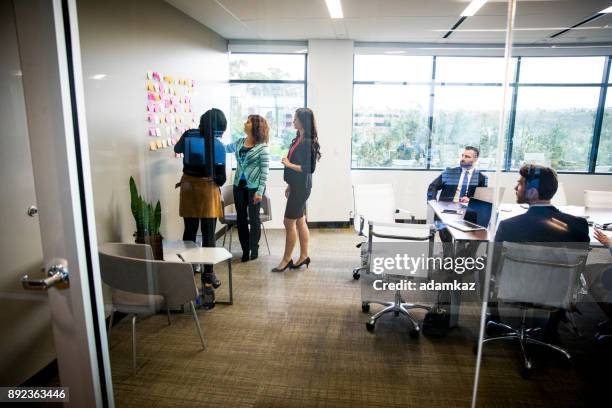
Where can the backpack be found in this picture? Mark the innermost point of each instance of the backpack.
(195, 149)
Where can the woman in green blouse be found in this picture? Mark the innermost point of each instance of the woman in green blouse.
(253, 157)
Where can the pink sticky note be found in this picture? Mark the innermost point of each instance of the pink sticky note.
(151, 131)
(156, 76)
(150, 96)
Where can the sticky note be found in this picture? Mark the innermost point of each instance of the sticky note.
(152, 145)
(150, 96)
(156, 76)
(164, 143)
(159, 144)
(149, 75)
(151, 131)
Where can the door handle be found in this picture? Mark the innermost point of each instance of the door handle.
(56, 274)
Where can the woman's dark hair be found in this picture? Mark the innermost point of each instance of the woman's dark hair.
(260, 129)
(213, 122)
(306, 118)
(544, 179)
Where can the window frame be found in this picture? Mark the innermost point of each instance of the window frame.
(275, 81)
(515, 85)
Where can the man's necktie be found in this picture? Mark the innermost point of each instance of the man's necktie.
(464, 185)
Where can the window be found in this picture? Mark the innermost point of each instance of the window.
(465, 115)
(390, 126)
(406, 116)
(555, 114)
(467, 102)
(604, 155)
(270, 85)
(390, 116)
(554, 127)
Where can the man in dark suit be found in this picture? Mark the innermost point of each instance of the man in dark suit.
(542, 223)
(458, 184)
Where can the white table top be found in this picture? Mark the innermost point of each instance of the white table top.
(171, 248)
(206, 256)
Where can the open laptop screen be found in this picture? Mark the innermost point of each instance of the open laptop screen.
(478, 212)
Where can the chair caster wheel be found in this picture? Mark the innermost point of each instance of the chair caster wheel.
(365, 307)
(356, 275)
(370, 327)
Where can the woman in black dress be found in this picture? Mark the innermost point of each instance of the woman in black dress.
(299, 165)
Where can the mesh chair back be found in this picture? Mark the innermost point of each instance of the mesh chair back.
(373, 202)
(539, 275)
(138, 251)
(387, 240)
(266, 207)
(597, 199)
(227, 199)
(172, 280)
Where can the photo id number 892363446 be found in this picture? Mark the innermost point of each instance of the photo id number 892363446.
(34, 394)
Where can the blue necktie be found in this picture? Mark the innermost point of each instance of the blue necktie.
(464, 185)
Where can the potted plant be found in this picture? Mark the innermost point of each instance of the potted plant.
(148, 221)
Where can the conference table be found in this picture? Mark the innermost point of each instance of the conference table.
(445, 212)
(440, 210)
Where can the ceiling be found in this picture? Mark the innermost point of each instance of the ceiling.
(400, 20)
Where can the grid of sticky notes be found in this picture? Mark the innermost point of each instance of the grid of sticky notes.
(169, 109)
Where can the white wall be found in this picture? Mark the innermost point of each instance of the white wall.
(124, 40)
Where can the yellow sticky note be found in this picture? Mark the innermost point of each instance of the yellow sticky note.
(152, 145)
(158, 143)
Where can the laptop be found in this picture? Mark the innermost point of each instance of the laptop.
(477, 216)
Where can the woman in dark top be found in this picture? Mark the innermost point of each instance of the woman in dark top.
(200, 197)
(299, 165)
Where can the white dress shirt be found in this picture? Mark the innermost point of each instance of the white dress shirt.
(463, 174)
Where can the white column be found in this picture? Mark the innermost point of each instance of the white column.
(330, 96)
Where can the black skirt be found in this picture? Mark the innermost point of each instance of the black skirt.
(296, 202)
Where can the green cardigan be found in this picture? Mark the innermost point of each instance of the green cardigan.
(255, 167)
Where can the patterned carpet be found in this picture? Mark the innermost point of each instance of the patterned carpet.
(298, 339)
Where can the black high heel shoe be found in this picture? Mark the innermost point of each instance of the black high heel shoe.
(289, 265)
(306, 262)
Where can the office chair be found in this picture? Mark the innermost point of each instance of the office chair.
(535, 277)
(374, 202)
(142, 286)
(230, 218)
(384, 241)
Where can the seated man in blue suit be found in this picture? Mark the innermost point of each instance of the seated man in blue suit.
(542, 223)
(458, 184)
